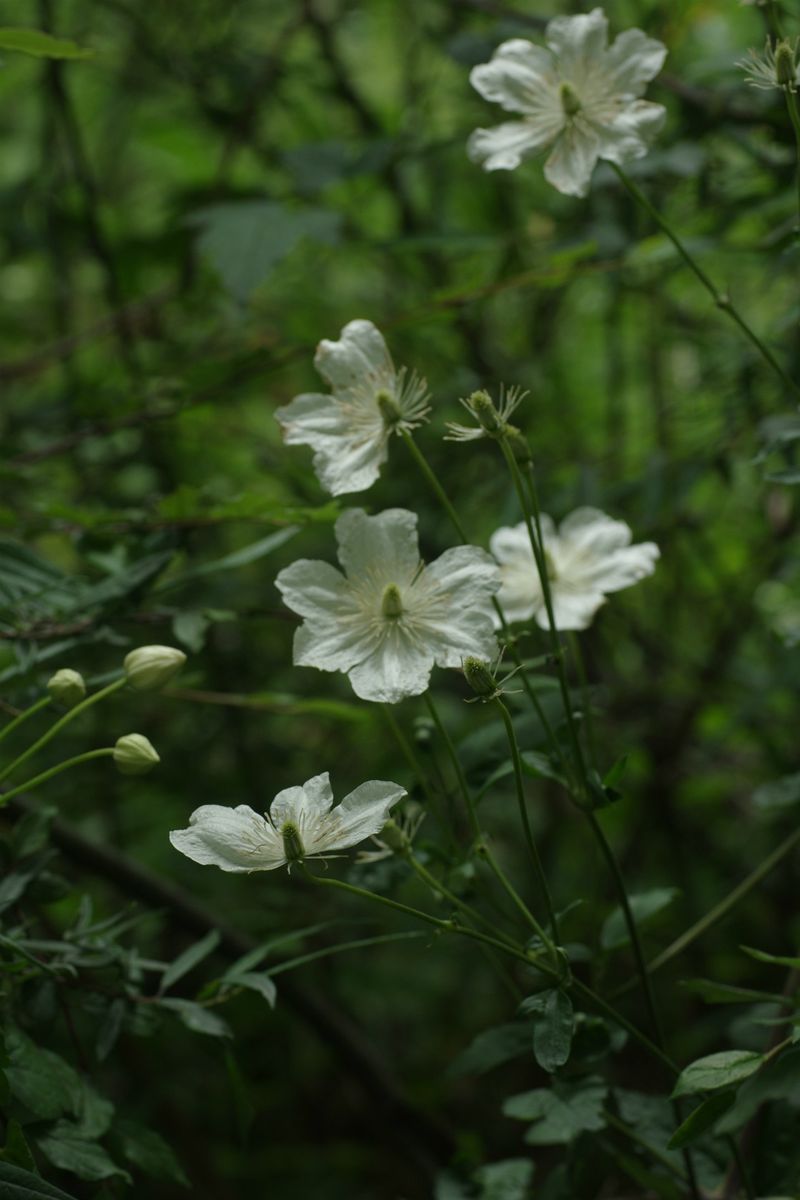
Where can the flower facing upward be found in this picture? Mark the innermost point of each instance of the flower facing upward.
(349, 430)
(388, 619)
(589, 556)
(300, 824)
(578, 95)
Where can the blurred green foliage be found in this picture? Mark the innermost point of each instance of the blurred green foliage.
(183, 215)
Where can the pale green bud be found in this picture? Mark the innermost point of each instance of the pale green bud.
(478, 675)
(785, 65)
(67, 687)
(135, 755)
(482, 405)
(150, 667)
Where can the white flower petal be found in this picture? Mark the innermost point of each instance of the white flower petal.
(399, 667)
(520, 77)
(456, 614)
(359, 355)
(571, 610)
(332, 646)
(313, 588)
(590, 528)
(364, 812)
(570, 165)
(579, 41)
(350, 441)
(234, 839)
(633, 60)
(306, 807)
(386, 543)
(505, 146)
(629, 135)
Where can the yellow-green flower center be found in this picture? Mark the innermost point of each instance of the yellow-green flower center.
(293, 847)
(570, 100)
(389, 407)
(392, 602)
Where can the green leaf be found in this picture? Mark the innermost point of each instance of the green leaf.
(197, 1018)
(41, 1079)
(17, 1184)
(243, 240)
(724, 1069)
(779, 794)
(64, 1147)
(727, 993)
(508, 1180)
(552, 1031)
(148, 1152)
(778, 1080)
(190, 628)
(41, 45)
(190, 958)
(701, 1120)
(491, 1048)
(645, 906)
(256, 981)
(561, 1112)
(232, 562)
(779, 960)
(16, 1150)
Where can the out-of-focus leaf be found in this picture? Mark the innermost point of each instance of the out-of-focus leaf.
(644, 905)
(561, 1112)
(700, 1120)
(552, 1031)
(67, 1149)
(18, 1184)
(148, 1152)
(491, 1048)
(41, 45)
(190, 958)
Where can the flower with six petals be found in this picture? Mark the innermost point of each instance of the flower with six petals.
(389, 618)
(349, 430)
(301, 824)
(588, 556)
(577, 94)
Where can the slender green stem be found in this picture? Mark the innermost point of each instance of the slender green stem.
(794, 116)
(630, 922)
(30, 784)
(409, 755)
(588, 994)
(453, 755)
(580, 665)
(722, 301)
(23, 716)
(652, 1150)
(441, 494)
(59, 725)
(516, 761)
(722, 909)
(437, 886)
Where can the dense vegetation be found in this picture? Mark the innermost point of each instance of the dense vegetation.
(194, 193)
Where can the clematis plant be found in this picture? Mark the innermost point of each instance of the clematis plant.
(577, 95)
(389, 618)
(587, 557)
(300, 824)
(349, 430)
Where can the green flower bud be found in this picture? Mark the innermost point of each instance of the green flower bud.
(785, 66)
(150, 667)
(134, 755)
(395, 837)
(67, 687)
(478, 675)
(482, 405)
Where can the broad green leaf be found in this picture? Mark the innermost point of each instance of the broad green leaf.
(552, 1031)
(244, 239)
(41, 45)
(508, 1180)
(64, 1147)
(41, 1079)
(700, 1120)
(190, 958)
(197, 1018)
(148, 1152)
(644, 905)
(18, 1184)
(491, 1048)
(190, 628)
(16, 1150)
(714, 1071)
(561, 1112)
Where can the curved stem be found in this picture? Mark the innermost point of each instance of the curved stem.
(437, 886)
(453, 756)
(441, 494)
(28, 786)
(526, 825)
(722, 301)
(23, 716)
(59, 725)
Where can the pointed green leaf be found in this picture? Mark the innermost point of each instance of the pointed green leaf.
(701, 1120)
(725, 1069)
(552, 1031)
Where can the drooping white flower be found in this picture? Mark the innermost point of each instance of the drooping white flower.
(577, 94)
(300, 824)
(349, 430)
(588, 556)
(389, 618)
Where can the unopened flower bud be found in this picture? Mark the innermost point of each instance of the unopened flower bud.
(478, 675)
(150, 667)
(135, 755)
(785, 66)
(519, 445)
(293, 848)
(67, 687)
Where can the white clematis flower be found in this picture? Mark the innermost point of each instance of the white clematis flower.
(578, 95)
(349, 430)
(589, 556)
(389, 618)
(300, 824)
